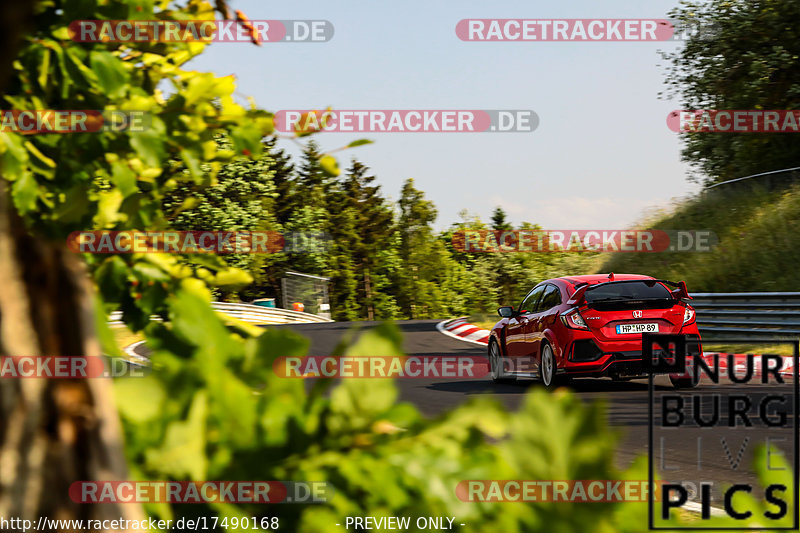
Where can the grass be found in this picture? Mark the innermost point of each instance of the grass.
(483, 320)
(758, 249)
(779, 349)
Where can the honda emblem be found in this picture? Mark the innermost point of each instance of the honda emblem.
(637, 314)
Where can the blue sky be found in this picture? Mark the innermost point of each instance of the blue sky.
(602, 156)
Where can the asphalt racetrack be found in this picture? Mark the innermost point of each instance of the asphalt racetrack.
(627, 404)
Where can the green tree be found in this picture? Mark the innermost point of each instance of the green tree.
(53, 184)
(480, 291)
(430, 283)
(285, 201)
(748, 57)
(241, 198)
(312, 182)
(213, 407)
(416, 247)
(372, 229)
(301, 207)
(340, 262)
(499, 222)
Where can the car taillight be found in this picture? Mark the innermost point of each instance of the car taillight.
(688, 315)
(573, 319)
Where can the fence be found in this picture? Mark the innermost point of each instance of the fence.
(310, 291)
(748, 315)
(754, 315)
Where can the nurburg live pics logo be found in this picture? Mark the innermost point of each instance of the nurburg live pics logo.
(733, 421)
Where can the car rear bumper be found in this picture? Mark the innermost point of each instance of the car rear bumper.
(589, 357)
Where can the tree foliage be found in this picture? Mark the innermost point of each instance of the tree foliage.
(212, 408)
(747, 57)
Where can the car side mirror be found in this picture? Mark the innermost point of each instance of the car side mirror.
(506, 311)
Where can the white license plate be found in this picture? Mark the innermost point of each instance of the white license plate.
(623, 329)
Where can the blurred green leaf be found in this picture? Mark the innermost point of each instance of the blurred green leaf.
(124, 178)
(112, 279)
(111, 75)
(183, 454)
(44, 69)
(25, 192)
(359, 142)
(149, 145)
(330, 165)
(140, 399)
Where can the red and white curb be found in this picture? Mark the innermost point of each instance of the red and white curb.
(133, 357)
(464, 331)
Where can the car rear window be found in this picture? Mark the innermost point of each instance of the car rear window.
(629, 290)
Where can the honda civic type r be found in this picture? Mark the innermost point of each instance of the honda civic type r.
(590, 326)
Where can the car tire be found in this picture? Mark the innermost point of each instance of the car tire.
(496, 366)
(683, 383)
(547, 369)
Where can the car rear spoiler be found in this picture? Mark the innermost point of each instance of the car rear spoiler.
(679, 290)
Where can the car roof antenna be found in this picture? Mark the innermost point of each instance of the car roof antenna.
(611, 277)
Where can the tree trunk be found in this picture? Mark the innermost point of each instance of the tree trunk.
(368, 295)
(58, 431)
(52, 432)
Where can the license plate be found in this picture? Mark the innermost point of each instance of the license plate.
(623, 329)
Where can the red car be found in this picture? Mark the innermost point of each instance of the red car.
(589, 326)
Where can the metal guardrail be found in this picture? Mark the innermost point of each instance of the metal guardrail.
(254, 314)
(793, 174)
(753, 315)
